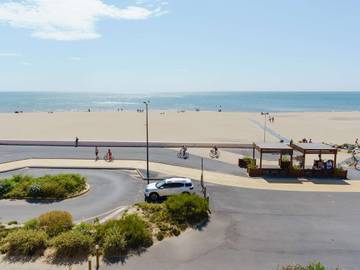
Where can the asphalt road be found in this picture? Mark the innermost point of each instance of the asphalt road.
(162, 155)
(256, 229)
(109, 189)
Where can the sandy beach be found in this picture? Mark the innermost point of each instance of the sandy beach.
(330, 127)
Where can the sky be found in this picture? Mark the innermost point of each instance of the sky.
(146, 46)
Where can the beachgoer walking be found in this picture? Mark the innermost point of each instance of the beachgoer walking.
(357, 142)
(310, 141)
(96, 153)
(76, 142)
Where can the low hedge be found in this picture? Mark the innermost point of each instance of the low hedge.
(24, 242)
(72, 244)
(185, 208)
(311, 266)
(59, 186)
(55, 222)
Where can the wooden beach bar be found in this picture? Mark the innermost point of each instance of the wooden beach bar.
(286, 168)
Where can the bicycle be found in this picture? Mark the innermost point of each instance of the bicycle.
(214, 154)
(107, 159)
(182, 154)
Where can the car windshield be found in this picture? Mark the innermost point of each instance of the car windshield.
(159, 184)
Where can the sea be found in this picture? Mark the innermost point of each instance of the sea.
(245, 101)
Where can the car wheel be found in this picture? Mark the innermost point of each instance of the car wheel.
(154, 197)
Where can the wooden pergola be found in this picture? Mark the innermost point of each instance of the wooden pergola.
(274, 148)
(315, 149)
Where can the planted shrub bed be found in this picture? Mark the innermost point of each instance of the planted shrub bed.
(135, 231)
(57, 187)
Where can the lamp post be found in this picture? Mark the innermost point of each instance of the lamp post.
(147, 140)
(265, 114)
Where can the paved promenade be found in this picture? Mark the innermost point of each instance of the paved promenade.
(322, 185)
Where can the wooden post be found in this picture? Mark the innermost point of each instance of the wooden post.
(97, 257)
(335, 156)
(260, 159)
(253, 150)
(304, 161)
(291, 160)
(89, 264)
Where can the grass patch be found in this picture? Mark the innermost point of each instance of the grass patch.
(55, 187)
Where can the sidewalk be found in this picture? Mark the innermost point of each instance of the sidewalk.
(321, 185)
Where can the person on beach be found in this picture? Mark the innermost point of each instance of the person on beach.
(76, 142)
(310, 141)
(357, 142)
(96, 153)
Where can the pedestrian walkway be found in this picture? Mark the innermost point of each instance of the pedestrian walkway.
(320, 185)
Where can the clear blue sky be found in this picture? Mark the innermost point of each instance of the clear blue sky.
(179, 45)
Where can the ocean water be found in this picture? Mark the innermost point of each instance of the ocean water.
(229, 101)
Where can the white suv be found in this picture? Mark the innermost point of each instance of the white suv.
(168, 187)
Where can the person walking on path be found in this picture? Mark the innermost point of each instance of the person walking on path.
(96, 153)
(76, 142)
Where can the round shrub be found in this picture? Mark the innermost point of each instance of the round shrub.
(25, 242)
(175, 231)
(114, 243)
(136, 231)
(185, 208)
(55, 222)
(160, 236)
(72, 244)
(32, 224)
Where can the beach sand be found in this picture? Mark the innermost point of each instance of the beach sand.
(330, 127)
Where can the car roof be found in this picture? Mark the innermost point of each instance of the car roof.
(178, 180)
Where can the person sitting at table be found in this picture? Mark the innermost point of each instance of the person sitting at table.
(329, 164)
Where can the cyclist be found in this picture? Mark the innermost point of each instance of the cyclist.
(109, 156)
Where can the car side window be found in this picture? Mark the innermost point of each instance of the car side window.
(188, 184)
(175, 185)
(166, 185)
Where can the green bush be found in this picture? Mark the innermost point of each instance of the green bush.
(32, 224)
(86, 229)
(24, 242)
(185, 208)
(160, 236)
(49, 186)
(175, 231)
(114, 243)
(132, 228)
(72, 244)
(55, 222)
(136, 231)
(12, 222)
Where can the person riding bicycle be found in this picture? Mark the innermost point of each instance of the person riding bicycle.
(214, 152)
(183, 150)
(215, 149)
(109, 155)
